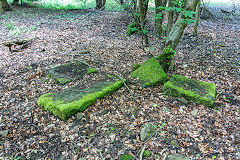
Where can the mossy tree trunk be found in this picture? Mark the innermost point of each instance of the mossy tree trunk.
(159, 16)
(1, 8)
(100, 4)
(4, 6)
(165, 59)
(197, 17)
(180, 25)
(176, 32)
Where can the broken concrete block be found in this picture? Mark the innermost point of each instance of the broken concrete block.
(193, 90)
(150, 73)
(72, 100)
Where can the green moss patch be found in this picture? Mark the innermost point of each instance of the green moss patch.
(150, 73)
(72, 100)
(70, 71)
(193, 90)
(126, 157)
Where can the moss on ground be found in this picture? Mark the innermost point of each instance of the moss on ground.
(135, 66)
(62, 81)
(150, 73)
(73, 100)
(126, 157)
(193, 90)
(91, 70)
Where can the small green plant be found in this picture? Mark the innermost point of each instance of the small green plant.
(113, 128)
(32, 28)
(214, 157)
(10, 25)
(160, 126)
(165, 59)
(126, 157)
(91, 70)
(146, 153)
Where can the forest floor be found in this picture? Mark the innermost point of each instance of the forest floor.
(112, 126)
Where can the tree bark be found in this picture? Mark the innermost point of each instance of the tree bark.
(139, 16)
(180, 25)
(16, 2)
(100, 4)
(143, 6)
(170, 17)
(197, 16)
(159, 16)
(5, 6)
(1, 8)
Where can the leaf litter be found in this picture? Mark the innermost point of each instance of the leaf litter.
(112, 126)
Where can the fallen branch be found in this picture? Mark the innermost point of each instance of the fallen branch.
(22, 43)
(130, 91)
(141, 154)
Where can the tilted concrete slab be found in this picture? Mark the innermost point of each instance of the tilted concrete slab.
(70, 71)
(72, 100)
(193, 90)
(150, 73)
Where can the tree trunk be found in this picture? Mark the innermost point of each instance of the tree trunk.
(5, 5)
(1, 8)
(197, 16)
(142, 6)
(15, 2)
(180, 25)
(100, 4)
(159, 16)
(170, 17)
(165, 59)
(139, 16)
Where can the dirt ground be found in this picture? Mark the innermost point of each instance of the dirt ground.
(112, 126)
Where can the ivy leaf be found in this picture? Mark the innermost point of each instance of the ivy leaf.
(178, 9)
(189, 14)
(133, 29)
(161, 8)
(144, 31)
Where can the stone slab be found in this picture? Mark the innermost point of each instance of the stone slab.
(150, 73)
(197, 91)
(72, 100)
(70, 71)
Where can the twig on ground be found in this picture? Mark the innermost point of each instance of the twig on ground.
(22, 43)
(141, 154)
(130, 91)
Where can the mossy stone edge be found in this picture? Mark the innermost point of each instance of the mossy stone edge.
(150, 73)
(65, 110)
(62, 79)
(173, 90)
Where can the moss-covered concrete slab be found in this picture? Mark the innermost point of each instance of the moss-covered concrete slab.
(150, 73)
(70, 71)
(193, 90)
(75, 99)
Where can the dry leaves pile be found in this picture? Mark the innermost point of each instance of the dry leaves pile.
(112, 125)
